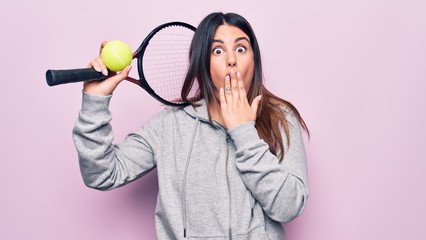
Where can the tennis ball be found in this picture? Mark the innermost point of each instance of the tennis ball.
(116, 55)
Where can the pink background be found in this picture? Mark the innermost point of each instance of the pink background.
(356, 70)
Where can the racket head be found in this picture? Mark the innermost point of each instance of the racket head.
(163, 60)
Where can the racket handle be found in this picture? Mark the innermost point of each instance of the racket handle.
(56, 77)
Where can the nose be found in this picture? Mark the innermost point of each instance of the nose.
(232, 61)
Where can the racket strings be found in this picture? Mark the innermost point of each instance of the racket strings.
(165, 62)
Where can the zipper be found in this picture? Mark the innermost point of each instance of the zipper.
(185, 176)
(228, 139)
(252, 203)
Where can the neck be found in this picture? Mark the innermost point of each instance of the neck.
(214, 112)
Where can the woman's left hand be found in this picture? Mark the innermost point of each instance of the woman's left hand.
(234, 104)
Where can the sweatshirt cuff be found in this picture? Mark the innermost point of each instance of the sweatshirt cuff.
(95, 105)
(244, 134)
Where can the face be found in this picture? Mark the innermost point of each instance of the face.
(231, 50)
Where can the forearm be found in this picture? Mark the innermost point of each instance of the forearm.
(280, 188)
(105, 165)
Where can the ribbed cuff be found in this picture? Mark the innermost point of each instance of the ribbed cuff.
(244, 134)
(95, 105)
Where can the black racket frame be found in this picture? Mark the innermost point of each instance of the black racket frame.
(57, 77)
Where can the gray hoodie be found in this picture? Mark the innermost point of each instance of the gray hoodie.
(213, 183)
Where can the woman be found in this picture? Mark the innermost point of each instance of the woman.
(231, 165)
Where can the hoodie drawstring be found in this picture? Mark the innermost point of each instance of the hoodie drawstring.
(185, 176)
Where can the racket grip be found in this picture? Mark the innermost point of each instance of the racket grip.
(56, 77)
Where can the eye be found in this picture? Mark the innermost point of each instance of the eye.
(241, 49)
(217, 51)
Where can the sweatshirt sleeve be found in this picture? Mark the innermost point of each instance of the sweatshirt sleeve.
(105, 165)
(279, 187)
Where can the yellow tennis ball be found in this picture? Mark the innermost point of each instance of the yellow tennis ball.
(116, 55)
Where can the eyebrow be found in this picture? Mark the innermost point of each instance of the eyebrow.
(236, 40)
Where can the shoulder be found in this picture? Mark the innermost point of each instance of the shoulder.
(288, 115)
(285, 110)
(167, 115)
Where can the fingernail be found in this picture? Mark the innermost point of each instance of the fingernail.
(97, 68)
(105, 72)
(238, 74)
(227, 77)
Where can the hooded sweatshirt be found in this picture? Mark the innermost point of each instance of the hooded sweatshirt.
(213, 183)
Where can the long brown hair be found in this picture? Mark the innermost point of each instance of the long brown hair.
(270, 115)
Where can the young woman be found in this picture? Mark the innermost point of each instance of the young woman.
(230, 165)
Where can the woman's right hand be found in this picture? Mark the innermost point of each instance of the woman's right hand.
(105, 87)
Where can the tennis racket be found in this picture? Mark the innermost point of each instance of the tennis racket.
(162, 61)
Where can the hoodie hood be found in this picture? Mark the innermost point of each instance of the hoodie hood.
(199, 112)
